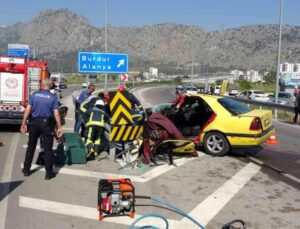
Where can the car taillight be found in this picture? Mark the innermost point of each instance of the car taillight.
(256, 124)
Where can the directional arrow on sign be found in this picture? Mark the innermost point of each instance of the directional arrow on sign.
(121, 62)
(124, 77)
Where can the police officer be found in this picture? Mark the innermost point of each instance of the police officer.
(96, 126)
(42, 105)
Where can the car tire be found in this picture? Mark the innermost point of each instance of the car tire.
(216, 144)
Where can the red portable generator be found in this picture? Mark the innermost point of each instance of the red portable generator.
(116, 197)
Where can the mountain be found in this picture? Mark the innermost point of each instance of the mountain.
(59, 34)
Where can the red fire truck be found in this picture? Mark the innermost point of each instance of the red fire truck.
(19, 78)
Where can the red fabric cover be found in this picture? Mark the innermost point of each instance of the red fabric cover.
(157, 120)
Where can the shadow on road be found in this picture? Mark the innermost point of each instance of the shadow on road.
(9, 128)
(10, 186)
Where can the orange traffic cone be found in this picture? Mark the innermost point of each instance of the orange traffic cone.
(272, 139)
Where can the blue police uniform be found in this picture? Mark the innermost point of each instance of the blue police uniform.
(41, 124)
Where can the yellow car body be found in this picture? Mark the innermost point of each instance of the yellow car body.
(236, 128)
(223, 123)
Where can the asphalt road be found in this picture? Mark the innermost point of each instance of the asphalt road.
(211, 189)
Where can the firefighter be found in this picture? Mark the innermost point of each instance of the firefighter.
(42, 104)
(96, 127)
(82, 97)
(87, 106)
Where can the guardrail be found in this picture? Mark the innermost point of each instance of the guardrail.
(264, 104)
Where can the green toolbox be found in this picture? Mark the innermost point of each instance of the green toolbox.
(74, 151)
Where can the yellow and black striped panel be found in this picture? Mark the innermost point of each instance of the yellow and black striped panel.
(120, 108)
(125, 133)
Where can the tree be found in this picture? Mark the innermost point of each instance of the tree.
(245, 85)
(270, 78)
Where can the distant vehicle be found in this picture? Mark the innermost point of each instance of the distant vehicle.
(255, 95)
(217, 89)
(59, 80)
(179, 87)
(84, 85)
(233, 92)
(201, 90)
(191, 90)
(284, 98)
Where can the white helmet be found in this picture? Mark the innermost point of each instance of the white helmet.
(99, 102)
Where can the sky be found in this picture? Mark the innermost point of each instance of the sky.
(209, 14)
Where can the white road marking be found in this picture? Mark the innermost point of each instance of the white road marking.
(68, 128)
(85, 212)
(159, 170)
(203, 213)
(67, 118)
(6, 178)
(38, 147)
(210, 207)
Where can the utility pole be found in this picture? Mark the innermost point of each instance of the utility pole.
(278, 58)
(105, 21)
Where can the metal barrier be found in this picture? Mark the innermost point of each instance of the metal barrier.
(264, 104)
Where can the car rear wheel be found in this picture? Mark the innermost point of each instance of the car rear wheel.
(216, 144)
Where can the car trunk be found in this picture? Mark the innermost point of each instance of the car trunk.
(264, 115)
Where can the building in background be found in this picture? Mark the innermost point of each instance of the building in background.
(289, 76)
(153, 72)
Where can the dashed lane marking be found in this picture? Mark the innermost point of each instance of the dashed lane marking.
(6, 179)
(209, 208)
(84, 212)
(142, 178)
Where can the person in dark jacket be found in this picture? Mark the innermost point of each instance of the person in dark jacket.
(297, 107)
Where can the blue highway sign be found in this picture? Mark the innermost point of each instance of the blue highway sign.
(18, 50)
(102, 62)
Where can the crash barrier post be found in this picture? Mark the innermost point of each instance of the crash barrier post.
(123, 127)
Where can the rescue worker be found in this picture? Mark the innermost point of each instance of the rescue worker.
(42, 104)
(87, 106)
(96, 126)
(82, 97)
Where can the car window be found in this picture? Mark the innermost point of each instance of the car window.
(234, 107)
(258, 92)
(284, 95)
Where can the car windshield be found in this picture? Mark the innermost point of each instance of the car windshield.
(191, 89)
(283, 95)
(234, 107)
